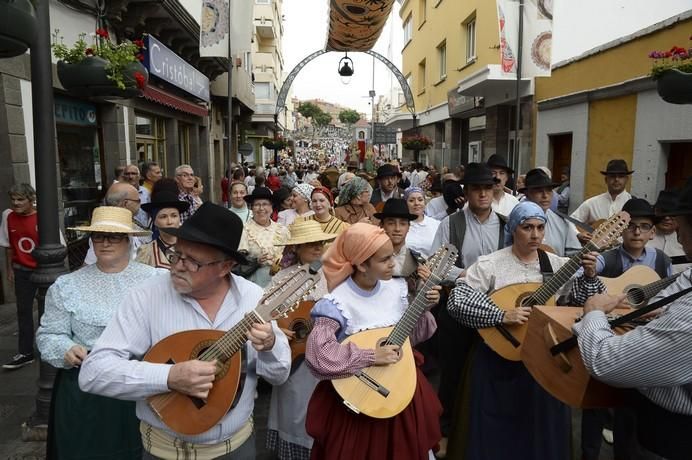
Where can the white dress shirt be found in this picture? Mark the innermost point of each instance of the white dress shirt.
(505, 205)
(420, 236)
(151, 312)
(600, 207)
(436, 208)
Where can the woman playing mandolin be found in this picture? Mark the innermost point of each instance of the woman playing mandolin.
(358, 268)
(289, 401)
(503, 398)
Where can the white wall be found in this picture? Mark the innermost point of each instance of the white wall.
(571, 119)
(27, 109)
(70, 24)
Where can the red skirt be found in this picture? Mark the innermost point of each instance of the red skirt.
(341, 434)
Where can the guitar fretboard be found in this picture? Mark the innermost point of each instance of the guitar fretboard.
(232, 341)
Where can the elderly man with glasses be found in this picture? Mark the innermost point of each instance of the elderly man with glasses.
(199, 293)
(185, 177)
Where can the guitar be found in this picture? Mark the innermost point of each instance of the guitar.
(384, 391)
(506, 340)
(640, 283)
(188, 415)
(298, 320)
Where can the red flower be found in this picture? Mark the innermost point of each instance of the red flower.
(141, 80)
(140, 57)
(139, 43)
(103, 33)
(89, 51)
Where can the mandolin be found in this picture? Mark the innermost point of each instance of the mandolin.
(384, 391)
(298, 321)
(506, 340)
(640, 283)
(188, 415)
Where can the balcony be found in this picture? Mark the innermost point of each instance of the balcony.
(266, 28)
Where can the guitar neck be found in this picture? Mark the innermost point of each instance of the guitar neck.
(233, 340)
(654, 288)
(550, 288)
(408, 321)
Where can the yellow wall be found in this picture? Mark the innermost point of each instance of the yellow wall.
(444, 21)
(615, 65)
(611, 135)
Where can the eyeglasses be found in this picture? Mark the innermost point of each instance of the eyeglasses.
(135, 201)
(641, 227)
(261, 204)
(131, 174)
(185, 174)
(113, 238)
(189, 263)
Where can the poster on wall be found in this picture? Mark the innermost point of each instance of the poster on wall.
(537, 36)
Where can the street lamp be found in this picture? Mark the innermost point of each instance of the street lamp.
(346, 69)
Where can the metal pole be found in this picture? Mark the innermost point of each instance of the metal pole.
(517, 120)
(231, 137)
(50, 254)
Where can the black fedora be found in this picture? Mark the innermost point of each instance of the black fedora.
(215, 226)
(479, 174)
(498, 161)
(683, 204)
(667, 201)
(387, 170)
(639, 207)
(395, 207)
(537, 178)
(617, 167)
(165, 199)
(259, 193)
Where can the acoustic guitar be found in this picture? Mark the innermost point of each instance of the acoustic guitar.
(506, 340)
(299, 322)
(384, 391)
(640, 283)
(188, 415)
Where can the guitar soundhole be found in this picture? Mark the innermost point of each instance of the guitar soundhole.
(221, 366)
(302, 329)
(635, 296)
(525, 300)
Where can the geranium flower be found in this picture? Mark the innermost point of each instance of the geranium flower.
(103, 33)
(141, 80)
(89, 51)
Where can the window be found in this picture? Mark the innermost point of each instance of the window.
(262, 90)
(408, 30)
(421, 76)
(422, 6)
(442, 58)
(471, 39)
(409, 81)
(150, 139)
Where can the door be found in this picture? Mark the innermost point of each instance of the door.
(560, 154)
(679, 164)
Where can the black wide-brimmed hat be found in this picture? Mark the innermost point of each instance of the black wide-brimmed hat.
(165, 199)
(479, 174)
(259, 193)
(617, 167)
(639, 207)
(387, 170)
(498, 161)
(395, 207)
(215, 226)
(666, 202)
(682, 206)
(537, 178)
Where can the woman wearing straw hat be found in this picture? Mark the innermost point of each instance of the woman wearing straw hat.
(323, 205)
(164, 211)
(289, 402)
(79, 305)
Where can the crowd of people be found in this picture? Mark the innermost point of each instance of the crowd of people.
(162, 261)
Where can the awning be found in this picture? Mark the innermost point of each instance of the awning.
(162, 97)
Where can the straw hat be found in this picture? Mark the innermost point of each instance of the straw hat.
(307, 231)
(111, 219)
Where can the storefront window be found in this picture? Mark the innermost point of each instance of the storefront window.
(151, 139)
(184, 143)
(80, 160)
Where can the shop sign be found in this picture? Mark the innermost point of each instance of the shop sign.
(168, 66)
(71, 112)
(457, 103)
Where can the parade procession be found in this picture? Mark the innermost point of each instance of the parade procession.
(210, 256)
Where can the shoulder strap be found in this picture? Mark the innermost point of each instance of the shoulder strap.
(503, 222)
(457, 231)
(576, 222)
(546, 268)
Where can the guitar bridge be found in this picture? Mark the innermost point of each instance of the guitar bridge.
(372, 383)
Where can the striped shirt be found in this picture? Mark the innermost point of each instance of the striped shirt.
(656, 358)
(151, 312)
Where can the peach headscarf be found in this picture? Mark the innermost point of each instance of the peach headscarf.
(353, 246)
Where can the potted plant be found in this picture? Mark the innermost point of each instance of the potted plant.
(672, 71)
(274, 144)
(105, 69)
(416, 143)
(17, 27)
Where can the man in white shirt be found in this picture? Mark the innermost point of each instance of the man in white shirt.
(199, 293)
(666, 236)
(503, 202)
(606, 204)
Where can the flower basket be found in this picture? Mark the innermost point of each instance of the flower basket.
(416, 143)
(675, 86)
(274, 144)
(90, 78)
(17, 27)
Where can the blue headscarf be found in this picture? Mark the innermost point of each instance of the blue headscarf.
(413, 189)
(522, 212)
